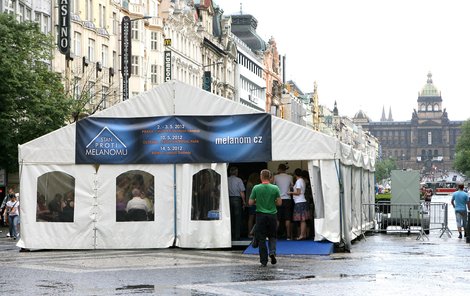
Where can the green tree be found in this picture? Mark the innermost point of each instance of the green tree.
(32, 97)
(462, 150)
(384, 167)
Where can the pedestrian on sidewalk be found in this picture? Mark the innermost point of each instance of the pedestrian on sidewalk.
(267, 198)
(460, 202)
(13, 211)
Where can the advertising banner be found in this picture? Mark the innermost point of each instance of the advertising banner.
(174, 139)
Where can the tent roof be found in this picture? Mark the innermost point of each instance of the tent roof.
(290, 141)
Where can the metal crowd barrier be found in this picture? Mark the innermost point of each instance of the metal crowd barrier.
(418, 218)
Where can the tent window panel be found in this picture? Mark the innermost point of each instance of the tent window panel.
(205, 200)
(135, 196)
(55, 198)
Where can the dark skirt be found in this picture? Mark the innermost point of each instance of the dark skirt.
(301, 212)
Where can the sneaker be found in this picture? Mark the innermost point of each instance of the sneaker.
(460, 234)
(8, 234)
(273, 259)
(263, 265)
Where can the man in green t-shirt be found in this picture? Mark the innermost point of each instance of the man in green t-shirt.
(266, 196)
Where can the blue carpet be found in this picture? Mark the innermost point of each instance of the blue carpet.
(304, 247)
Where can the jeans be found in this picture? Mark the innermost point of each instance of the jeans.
(266, 226)
(13, 227)
(236, 208)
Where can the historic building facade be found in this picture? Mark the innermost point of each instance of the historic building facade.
(426, 142)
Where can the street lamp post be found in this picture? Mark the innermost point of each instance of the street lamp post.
(126, 53)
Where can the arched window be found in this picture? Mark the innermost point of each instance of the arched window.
(423, 107)
(436, 107)
(55, 197)
(205, 200)
(429, 107)
(135, 196)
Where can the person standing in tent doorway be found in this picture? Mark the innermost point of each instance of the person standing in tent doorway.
(253, 179)
(301, 207)
(236, 193)
(284, 212)
(460, 202)
(267, 198)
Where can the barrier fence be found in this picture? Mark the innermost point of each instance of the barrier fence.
(418, 218)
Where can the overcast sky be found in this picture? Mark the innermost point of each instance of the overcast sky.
(370, 54)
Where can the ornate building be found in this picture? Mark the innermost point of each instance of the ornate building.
(426, 142)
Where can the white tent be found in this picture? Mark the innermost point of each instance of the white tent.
(342, 180)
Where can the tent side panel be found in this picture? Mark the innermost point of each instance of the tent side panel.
(328, 227)
(201, 230)
(40, 234)
(155, 183)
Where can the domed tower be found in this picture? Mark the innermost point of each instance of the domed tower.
(429, 101)
(360, 118)
(431, 130)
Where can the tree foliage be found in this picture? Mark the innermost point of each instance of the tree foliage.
(383, 168)
(462, 150)
(32, 97)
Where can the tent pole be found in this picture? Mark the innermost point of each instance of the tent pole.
(174, 205)
(341, 204)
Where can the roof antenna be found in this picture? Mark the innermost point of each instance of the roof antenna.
(241, 10)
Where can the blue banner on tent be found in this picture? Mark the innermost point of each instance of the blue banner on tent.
(174, 139)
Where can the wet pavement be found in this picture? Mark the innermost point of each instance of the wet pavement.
(379, 264)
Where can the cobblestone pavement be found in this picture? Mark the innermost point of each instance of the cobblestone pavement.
(379, 264)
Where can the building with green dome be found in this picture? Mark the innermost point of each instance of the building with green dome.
(426, 142)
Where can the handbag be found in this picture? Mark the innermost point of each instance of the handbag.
(10, 208)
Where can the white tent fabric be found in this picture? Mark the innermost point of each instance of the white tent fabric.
(95, 225)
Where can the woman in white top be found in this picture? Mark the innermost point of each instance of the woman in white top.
(301, 207)
(13, 210)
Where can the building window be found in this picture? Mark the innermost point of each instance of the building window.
(102, 16)
(104, 97)
(89, 10)
(10, 8)
(91, 50)
(135, 65)
(135, 30)
(45, 24)
(20, 13)
(104, 56)
(153, 75)
(114, 59)
(429, 138)
(76, 88)
(91, 92)
(74, 6)
(77, 44)
(154, 41)
(115, 24)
